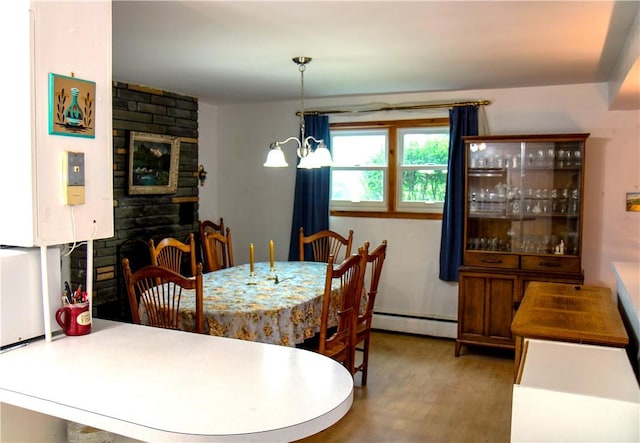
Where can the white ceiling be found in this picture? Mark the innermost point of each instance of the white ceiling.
(240, 51)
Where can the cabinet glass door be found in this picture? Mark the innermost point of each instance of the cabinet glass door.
(494, 181)
(551, 188)
(524, 197)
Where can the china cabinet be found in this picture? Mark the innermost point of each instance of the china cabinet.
(522, 223)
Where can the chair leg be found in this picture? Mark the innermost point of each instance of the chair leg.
(365, 361)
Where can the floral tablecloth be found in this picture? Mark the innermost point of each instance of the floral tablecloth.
(258, 309)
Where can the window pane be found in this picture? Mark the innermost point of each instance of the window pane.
(425, 147)
(359, 149)
(357, 186)
(423, 185)
(376, 160)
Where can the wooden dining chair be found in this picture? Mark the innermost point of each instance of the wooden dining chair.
(207, 226)
(210, 226)
(169, 254)
(375, 260)
(322, 244)
(336, 342)
(218, 251)
(160, 292)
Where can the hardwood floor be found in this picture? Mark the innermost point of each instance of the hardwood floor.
(418, 391)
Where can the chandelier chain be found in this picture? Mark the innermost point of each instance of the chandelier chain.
(302, 68)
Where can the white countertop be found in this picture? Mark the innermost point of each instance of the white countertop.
(160, 385)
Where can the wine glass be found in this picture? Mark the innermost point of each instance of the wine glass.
(551, 157)
(577, 157)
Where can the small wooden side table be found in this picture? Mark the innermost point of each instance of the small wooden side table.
(569, 313)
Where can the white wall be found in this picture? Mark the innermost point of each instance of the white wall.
(256, 202)
(61, 38)
(208, 157)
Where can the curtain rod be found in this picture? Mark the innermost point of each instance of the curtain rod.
(397, 108)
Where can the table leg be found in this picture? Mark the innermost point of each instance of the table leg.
(518, 357)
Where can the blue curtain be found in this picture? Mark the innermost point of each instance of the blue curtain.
(463, 121)
(311, 201)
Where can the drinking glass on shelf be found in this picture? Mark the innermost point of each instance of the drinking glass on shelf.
(545, 206)
(567, 159)
(572, 244)
(574, 205)
(530, 160)
(577, 157)
(551, 157)
(560, 159)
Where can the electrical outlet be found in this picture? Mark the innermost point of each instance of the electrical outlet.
(74, 176)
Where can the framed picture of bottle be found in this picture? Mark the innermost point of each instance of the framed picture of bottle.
(71, 106)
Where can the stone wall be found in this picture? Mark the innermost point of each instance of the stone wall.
(138, 218)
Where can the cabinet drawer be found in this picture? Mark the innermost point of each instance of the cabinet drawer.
(491, 260)
(550, 263)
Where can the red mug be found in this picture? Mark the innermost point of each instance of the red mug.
(74, 319)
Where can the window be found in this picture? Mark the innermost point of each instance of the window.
(393, 168)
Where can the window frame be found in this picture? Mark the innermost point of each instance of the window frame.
(418, 206)
(393, 192)
(367, 206)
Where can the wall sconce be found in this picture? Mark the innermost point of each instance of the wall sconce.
(202, 175)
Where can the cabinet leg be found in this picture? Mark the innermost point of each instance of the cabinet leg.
(458, 346)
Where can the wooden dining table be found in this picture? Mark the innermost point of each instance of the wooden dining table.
(260, 308)
(568, 313)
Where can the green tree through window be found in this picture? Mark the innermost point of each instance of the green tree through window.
(390, 166)
(427, 183)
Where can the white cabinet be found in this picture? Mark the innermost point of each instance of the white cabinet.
(21, 303)
(574, 392)
(628, 289)
(43, 37)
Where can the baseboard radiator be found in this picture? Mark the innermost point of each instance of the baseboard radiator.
(415, 324)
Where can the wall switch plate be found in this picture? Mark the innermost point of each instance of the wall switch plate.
(74, 176)
(75, 168)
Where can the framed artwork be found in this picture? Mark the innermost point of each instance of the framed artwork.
(153, 163)
(633, 201)
(71, 106)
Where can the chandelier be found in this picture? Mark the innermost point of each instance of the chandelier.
(310, 157)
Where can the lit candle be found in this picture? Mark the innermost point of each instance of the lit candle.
(251, 257)
(271, 254)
